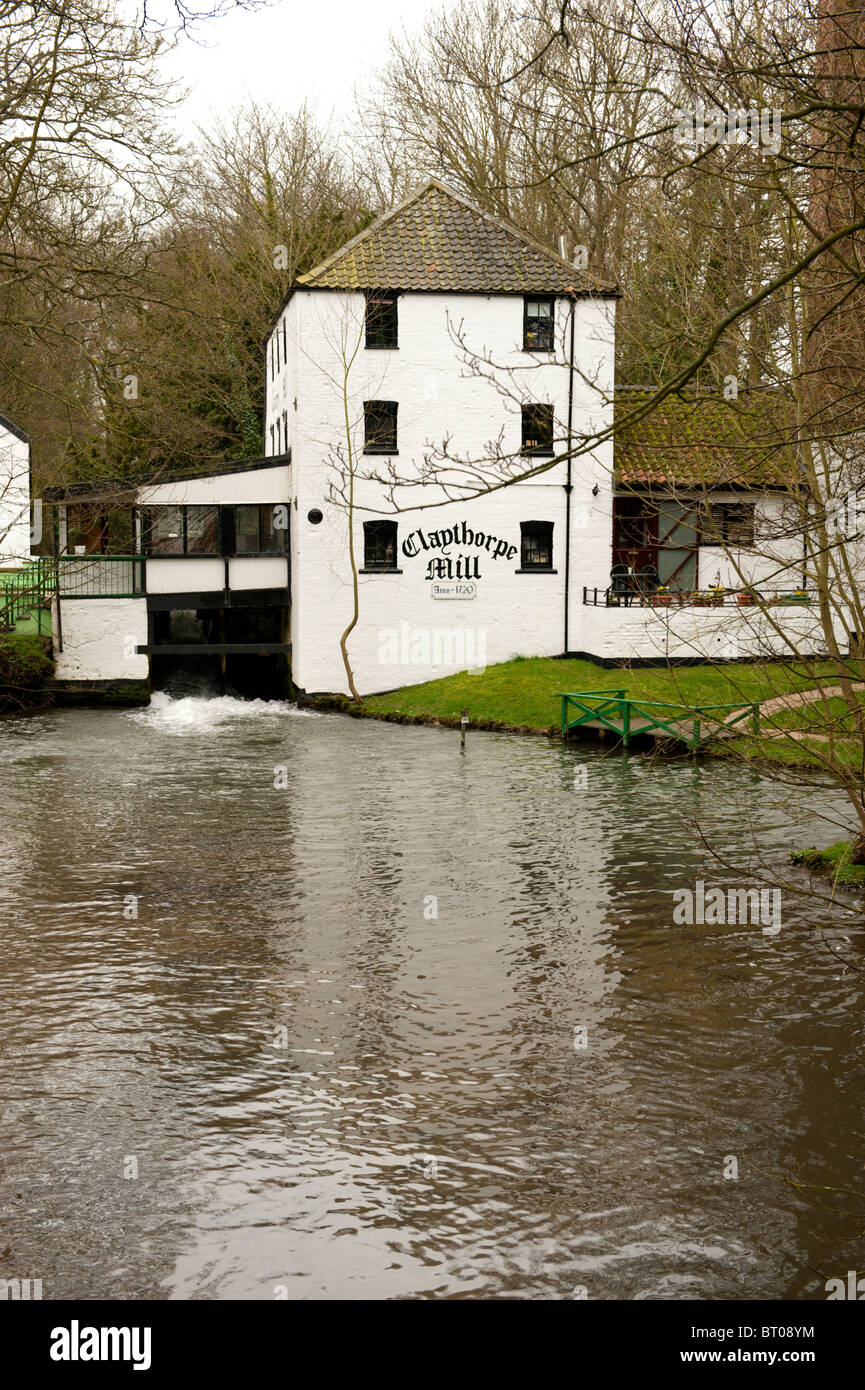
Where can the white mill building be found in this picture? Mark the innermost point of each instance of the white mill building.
(438, 347)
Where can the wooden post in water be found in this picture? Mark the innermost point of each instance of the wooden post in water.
(464, 719)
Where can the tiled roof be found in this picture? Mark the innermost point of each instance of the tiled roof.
(118, 488)
(703, 441)
(7, 424)
(435, 240)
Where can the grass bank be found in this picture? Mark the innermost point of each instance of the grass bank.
(833, 863)
(526, 693)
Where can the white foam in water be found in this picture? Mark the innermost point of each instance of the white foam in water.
(203, 713)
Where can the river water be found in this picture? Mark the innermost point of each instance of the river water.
(397, 1021)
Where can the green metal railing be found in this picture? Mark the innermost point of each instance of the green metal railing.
(25, 590)
(626, 717)
(74, 576)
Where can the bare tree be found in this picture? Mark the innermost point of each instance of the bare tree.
(742, 269)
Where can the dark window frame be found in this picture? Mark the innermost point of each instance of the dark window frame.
(717, 525)
(386, 333)
(149, 520)
(85, 522)
(226, 532)
(538, 420)
(372, 445)
(202, 506)
(381, 538)
(536, 537)
(184, 508)
(280, 532)
(528, 345)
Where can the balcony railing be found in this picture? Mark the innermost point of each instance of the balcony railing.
(615, 596)
(101, 576)
(123, 576)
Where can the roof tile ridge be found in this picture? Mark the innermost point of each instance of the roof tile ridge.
(375, 226)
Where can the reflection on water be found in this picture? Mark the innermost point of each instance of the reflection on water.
(323, 982)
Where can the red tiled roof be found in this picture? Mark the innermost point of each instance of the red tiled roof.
(703, 441)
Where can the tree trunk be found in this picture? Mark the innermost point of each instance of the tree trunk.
(857, 851)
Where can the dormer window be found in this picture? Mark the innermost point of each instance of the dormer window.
(538, 324)
(381, 319)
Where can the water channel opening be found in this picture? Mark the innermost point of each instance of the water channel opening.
(198, 658)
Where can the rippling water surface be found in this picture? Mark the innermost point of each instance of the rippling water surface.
(328, 1088)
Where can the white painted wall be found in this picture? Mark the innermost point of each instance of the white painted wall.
(14, 499)
(719, 633)
(258, 572)
(184, 575)
(228, 489)
(512, 614)
(281, 386)
(99, 637)
(775, 565)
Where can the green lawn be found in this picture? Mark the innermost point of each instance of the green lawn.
(823, 716)
(526, 693)
(813, 753)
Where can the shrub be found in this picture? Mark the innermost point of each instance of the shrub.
(26, 671)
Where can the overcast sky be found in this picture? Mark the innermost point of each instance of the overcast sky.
(290, 51)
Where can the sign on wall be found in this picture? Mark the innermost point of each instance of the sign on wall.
(455, 589)
(452, 575)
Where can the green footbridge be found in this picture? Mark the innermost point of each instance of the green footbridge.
(616, 711)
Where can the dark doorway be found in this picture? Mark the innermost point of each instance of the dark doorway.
(662, 532)
(635, 532)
